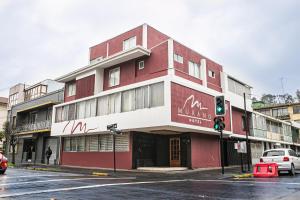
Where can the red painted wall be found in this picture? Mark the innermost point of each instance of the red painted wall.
(192, 107)
(98, 159)
(205, 151)
(68, 98)
(116, 43)
(214, 83)
(237, 121)
(155, 66)
(85, 87)
(154, 37)
(188, 54)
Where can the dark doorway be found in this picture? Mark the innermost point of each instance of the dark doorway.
(28, 150)
(153, 150)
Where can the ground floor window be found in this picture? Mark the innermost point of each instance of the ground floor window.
(96, 143)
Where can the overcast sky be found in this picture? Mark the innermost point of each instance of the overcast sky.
(255, 41)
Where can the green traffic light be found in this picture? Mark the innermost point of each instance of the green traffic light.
(216, 126)
(219, 109)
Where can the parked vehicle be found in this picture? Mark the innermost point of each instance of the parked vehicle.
(3, 163)
(287, 159)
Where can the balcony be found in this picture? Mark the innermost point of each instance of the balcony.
(120, 57)
(35, 127)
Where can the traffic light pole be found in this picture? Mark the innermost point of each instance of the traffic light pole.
(247, 133)
(222, 151)
(114, 149)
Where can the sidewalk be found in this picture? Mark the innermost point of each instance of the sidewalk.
(203, 173)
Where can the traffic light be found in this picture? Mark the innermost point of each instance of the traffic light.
(219, 123)
(220, 105)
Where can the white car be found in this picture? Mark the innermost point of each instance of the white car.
(287, 159)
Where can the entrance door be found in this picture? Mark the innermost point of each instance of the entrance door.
(175, 152)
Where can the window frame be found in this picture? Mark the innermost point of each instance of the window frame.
(110, 72)
(192, 69)
(131, 43)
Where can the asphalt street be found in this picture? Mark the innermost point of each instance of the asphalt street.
(30, 184)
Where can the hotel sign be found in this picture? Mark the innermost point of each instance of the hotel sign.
(193, 107)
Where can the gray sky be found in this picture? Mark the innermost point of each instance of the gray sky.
(255, 41)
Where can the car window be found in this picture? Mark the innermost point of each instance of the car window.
(273, 153)
(292, 153)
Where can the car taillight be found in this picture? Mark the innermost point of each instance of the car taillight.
(285, 159)
(261, 160)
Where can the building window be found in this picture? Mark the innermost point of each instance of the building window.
(102, 106)
(142, 97)
(129, 43)
(13, 99)
(114, 77)
(211, 74)
(139, 98)
(178, 58)
(96, 143)
(141, 65)
(194, 69)
(90, 108)
(114, 103)
(157, 94)
(35, 92)
(279, 112)
(80, 110)
(71, 89)
(296, 109)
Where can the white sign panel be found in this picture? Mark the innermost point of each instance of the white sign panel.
(241, 147)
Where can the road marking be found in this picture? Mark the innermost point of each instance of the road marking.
(87, 187)
(36, 175)
(251, 182)
(59, 180)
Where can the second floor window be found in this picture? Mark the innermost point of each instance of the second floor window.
(71, 89)
(114, 77)
(13, 99)
(129, 43)
(178, 58)
(194, 69)
(296, 109)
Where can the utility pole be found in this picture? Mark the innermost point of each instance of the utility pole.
(113, 129)
(247, 132)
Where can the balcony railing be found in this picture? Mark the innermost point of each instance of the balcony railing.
(42, 125)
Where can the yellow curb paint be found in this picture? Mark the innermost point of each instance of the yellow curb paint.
(99, 174)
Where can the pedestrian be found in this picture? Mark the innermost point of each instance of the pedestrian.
(48, 154)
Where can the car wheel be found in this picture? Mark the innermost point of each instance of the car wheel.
(292, 171)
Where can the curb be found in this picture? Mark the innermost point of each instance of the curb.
(243, 176)
(99, 174)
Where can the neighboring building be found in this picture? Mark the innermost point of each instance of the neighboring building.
(161, 95)
(287, 112)
(30, 119)
(3, 115)
(268, 132)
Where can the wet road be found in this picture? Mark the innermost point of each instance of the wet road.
(28, 184)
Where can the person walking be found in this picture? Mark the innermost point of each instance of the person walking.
(48, 154)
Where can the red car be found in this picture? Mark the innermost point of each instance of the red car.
(3, 163)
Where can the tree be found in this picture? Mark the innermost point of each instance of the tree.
(285, 98)
(268, 99)
(10, 138)
(298, 95)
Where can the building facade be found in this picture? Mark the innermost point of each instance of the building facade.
(287, 112)
(161, 95)
(30, 120)
(3, 116)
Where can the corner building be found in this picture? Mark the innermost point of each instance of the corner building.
(161, 95)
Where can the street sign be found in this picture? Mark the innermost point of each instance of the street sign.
(241, 147)
(111, 126)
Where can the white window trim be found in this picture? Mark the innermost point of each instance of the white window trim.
(143, 65)
(193, 65)
(178, 58)
(109, 76)
(211, 74)
(129, 40)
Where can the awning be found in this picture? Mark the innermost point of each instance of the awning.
(37, 106)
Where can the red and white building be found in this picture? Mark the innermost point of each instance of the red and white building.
(161, 95)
